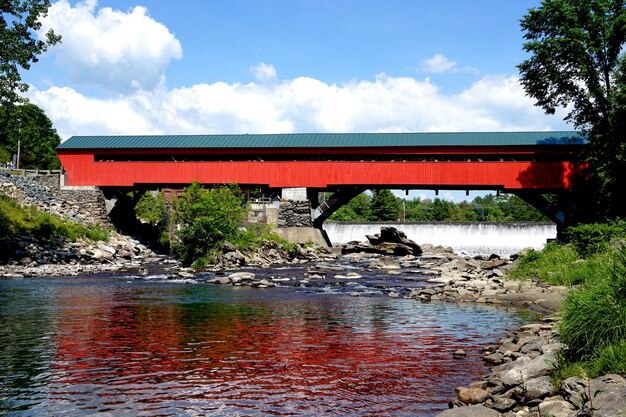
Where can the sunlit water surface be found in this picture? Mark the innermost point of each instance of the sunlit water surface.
(117, 346)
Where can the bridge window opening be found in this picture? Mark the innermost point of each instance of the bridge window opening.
(147, 157)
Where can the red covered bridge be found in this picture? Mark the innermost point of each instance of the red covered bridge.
(526, 163)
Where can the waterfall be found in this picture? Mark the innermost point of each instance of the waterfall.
(471, 238)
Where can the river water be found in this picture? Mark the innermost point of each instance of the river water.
(117, 345)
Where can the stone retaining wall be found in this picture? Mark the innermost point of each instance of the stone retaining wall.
(43, 192)
(295, 214)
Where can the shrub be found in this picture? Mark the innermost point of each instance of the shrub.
(592, 238)
(206, 219)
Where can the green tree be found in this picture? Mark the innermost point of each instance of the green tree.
(356, 210)
(38, 138)
(385, 206)
(487, 209)
(441, 210)
(207, 218)
(517, 210)
(466, 212)
(577, 62)
(415, 209)
(19, 44)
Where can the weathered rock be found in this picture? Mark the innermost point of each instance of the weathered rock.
(349, 275)
(220, 280)
(239, 277)
(525, 369)
(459, 354)
(503, 404)
(609, 396)
(479, 384)
(538, 388)
(470, 411)
(558, 407)
(393, 235)
(385, 263)
(472, 395)
(493, 264)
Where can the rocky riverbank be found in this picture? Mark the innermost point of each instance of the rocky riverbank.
(31, 257)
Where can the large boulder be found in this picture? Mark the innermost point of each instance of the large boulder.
(391, 235)
(609, 396)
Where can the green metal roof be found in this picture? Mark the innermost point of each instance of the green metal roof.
(325, 140)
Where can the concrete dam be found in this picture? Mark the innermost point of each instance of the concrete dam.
(472, 238)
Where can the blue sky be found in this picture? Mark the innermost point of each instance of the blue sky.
(281, 66)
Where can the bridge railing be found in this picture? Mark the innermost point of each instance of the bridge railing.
(15, 171)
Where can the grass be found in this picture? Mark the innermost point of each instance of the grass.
(254, 236)
(558, 265)
(16, 220)
(593, 315)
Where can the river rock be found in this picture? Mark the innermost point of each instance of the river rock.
(349, 275)
(524, 369)
(385, 262)
(538, 388)
(470, 411)
(392, 235)
(459, 354)
(558, 407)
(240, 277)
(472, 395)
(220, 280)
(609, 396)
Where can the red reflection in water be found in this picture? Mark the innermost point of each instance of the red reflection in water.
(283, 360)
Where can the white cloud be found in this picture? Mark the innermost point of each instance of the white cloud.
(264, 72)
(118, 51)
(385, 104)
(439, 63)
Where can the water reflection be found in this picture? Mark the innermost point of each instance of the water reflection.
(83, 346)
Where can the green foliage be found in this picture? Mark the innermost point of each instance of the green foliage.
(152, 209)
(356, 210)
(594, 315)
(609, 360)
(440, 210)
(593, 238)
(206, 219)
(577, 63)
(253, 236)
(385, 206)
(16, 220)
(38, 139)
(489, 208)
(557, 265)
(19, 20)
(5, 233)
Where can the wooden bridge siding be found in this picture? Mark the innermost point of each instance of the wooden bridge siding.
(83, 170)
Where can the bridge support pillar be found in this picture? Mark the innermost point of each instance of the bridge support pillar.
(333, 203)
(554, 208)
(295, 194)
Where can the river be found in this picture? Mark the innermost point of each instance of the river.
(118, 345)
